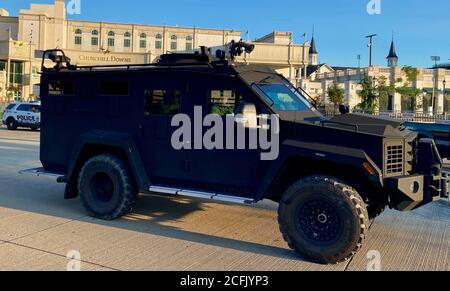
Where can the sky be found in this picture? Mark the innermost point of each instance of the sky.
(421, 27)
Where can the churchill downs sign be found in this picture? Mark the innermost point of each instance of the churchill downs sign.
(104, 59)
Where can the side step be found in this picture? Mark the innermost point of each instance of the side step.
(42, 172)
(201, 195)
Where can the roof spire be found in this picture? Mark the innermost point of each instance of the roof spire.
(313, 48)
(392, 51)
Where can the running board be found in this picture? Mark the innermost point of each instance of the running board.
(41, 172)
(201, 195)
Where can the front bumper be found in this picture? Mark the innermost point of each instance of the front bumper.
(411, 192)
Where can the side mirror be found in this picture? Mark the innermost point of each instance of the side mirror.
(246, 115)
(343, 109)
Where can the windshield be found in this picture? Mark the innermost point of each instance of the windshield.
(284, 98)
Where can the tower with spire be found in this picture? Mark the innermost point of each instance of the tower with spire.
(313, 53)
(392, 57)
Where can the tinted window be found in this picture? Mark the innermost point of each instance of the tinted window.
(23, 107)
(10, 106)
(162, 102)
(60, 88)
(114, 88)
(223, 102)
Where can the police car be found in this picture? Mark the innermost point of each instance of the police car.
(22, 115)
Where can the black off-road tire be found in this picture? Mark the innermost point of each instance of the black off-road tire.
(11, 124)
(323, 219)
(107, 188)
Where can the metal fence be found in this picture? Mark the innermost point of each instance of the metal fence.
(411, 117)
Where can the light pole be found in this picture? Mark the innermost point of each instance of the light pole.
(370, 37)
(435, 59)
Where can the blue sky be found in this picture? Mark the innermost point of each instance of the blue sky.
(421, 27)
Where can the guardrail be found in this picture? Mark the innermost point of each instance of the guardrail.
(411, 117)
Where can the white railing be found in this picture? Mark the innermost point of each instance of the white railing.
(404, 116)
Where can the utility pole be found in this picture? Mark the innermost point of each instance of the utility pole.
(370, 37)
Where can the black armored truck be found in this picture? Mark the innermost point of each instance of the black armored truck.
(112, 132)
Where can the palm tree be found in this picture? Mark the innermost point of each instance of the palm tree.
(336, 95)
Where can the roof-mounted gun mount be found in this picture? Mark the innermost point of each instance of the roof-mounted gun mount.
(58, 57)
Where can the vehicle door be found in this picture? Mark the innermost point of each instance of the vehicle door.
(163, 95)
(227, 168)
(24, 115)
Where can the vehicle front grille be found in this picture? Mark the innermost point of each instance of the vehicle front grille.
(394, 153)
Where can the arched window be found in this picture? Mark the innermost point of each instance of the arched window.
(111, 39)
(173, 42)
(127, 40)
(143, 41)
(78, 37)
(189, 43)
(158, 42)
(94, 38)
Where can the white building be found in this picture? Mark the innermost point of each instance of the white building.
(431, 83)
(44, 26)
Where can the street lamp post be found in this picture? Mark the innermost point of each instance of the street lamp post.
(370, 37)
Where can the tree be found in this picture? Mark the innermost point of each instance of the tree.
(11, 91)
(407, 91)
(336, 95)
(369, 95)
(384, 90)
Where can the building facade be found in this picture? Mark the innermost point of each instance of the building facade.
(44, 26)
(434, 96)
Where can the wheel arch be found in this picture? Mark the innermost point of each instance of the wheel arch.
(102, 142)
(297, 167)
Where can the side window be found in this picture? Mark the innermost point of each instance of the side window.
(114, 88)
(162, 102)
(24, 108)
(223, 102)
(60, 88)
(35, 108)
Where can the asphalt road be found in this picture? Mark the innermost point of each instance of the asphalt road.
(38, 229)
